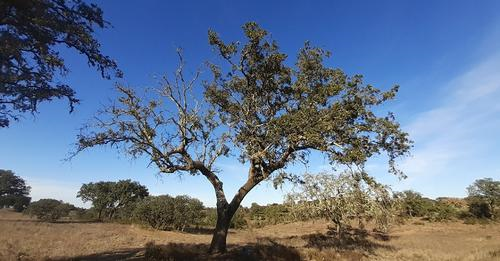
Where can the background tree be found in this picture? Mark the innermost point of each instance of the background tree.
(166, 212)
(267, 112)
(13, 191)
(342, 199)
(109, 197)
(31, 31)
(49, 209)
(413, 204)
(271, 214)
(486, 190)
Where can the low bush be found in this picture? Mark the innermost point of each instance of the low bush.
(83, 214)
(479, 208)
(166, 212)
(269, 215)
(440, 211)
(49, 209)
(239, 220)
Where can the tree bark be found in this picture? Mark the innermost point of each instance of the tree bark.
(225, 210)
(224, 216)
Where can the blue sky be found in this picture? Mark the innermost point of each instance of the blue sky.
(444, 54)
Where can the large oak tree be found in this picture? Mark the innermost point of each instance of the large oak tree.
(257, 106)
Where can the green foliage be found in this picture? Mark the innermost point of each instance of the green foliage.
(343, 198)
(479, 208)
(413, 204)
(31, 32)
(484, 198)
(13, 191)
(279, 111)
(49, 209)
(166, 212)
(239, 220)
(269, 215)
(109, 197)
(440, 211)
(83, 214)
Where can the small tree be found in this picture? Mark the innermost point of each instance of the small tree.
(269, 113)
(49, 209)
(13, 191)
(413, 204)
(30, 32)
(479, 208)
(342, 198)
(486, 190)
(109, 197)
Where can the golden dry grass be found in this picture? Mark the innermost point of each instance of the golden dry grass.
(24, 239)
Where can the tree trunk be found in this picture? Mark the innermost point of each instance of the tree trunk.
(224, 216)
(225, 210)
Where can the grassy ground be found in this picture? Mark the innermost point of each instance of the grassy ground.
(24, 239)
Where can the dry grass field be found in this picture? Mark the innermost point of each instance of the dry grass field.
(24, 239)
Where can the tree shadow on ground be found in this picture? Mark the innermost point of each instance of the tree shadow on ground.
(181, 251)
(194, 230)
(125, 254)
(349, 240)
(352, 244)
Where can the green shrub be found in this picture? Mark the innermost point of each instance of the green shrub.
(209, 217)
(269, 215)
(239, 220)
(413, 204)
(49, 209)
(82, 214)
(440, 211)
(166, 212)
(479, 208)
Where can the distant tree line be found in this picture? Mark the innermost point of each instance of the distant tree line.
(340, 199)
(482, 203)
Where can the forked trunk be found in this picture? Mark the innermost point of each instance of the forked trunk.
(224, 216)
(225, 210)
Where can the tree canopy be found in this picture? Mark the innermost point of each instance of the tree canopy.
(108, 197)
(31, 33)
(486, 190)
(258, 106)
(13, 191)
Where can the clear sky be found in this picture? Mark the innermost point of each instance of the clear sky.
(444, 54)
